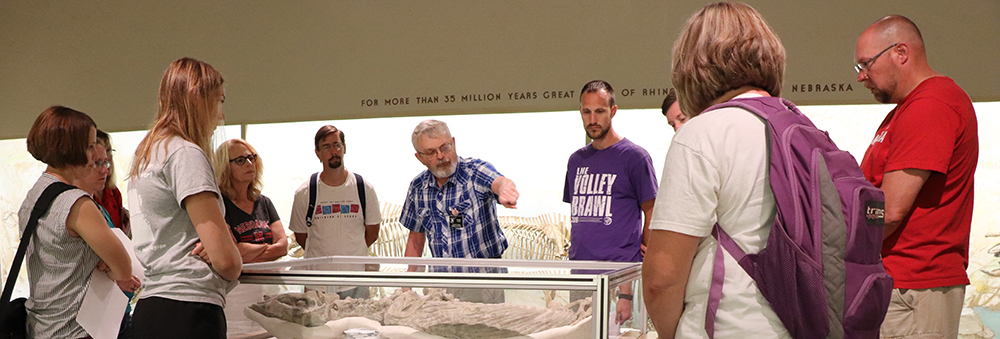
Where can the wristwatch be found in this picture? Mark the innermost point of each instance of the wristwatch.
(625, 296)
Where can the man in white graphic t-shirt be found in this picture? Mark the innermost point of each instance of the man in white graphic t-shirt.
(340, 219)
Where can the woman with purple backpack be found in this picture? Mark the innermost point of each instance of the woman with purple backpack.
(763, 227)
(715, 172)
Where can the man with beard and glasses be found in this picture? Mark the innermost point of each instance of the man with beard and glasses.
(610, 186)
(453, 203)
(923, 157)
(337, 223)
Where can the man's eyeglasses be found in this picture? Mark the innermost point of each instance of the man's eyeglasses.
(243, 159)
(106, 164)
(444, 149)
(863, 66)
(326, 147)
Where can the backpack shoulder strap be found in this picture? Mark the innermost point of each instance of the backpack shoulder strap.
(722, 241)
(778, 114)
(312, 199)
(764, 108)
(361, 196)
(42, 206)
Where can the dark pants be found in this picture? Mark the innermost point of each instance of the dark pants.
(125, 330)
(156, 317)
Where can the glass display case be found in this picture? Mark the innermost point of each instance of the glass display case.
(599, 279)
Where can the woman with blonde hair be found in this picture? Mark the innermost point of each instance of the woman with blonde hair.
(72, 238)
(109, 196)
(176, 206)
(715, 172)
(259, 234)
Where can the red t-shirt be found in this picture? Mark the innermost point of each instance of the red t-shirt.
(934, 128)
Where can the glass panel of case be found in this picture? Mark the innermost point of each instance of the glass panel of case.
(521, 282)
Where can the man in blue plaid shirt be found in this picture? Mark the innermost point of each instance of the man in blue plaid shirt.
(454, 201)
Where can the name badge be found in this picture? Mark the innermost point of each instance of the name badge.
(455, 221)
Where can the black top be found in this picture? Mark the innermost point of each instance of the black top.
(254, 227)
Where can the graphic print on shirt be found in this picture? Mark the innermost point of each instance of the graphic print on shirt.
(338, 209)
(879, 137)
(253, 231)
(592, 196)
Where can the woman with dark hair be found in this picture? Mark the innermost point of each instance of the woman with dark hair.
(72, 238)
(176, 205)
(93, 184)
(251, 216)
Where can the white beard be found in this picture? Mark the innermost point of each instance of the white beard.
(445, 172)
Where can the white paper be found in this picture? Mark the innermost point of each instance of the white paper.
(137, 269)
(103, 307)
(104, 303)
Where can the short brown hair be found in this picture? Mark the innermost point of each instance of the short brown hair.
(60, 137)
(597, 85)
(725, 46)
(668, 101)
(324, 131)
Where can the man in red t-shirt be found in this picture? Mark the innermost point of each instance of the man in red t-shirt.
(924, 158)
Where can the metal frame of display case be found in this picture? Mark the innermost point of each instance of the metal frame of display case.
(285, 273)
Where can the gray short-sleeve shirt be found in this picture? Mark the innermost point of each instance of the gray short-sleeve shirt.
(164, 235)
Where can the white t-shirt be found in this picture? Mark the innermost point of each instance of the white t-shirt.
(337, 228)
(163, 232)
(715, 171)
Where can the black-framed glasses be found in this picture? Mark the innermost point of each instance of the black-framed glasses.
(242, 160)
(444, 149)
(863, 66)
(106, 164)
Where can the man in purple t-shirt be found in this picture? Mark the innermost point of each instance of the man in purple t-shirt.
(611, 186)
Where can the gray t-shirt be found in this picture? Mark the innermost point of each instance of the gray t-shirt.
(163, 233)
(59, 266)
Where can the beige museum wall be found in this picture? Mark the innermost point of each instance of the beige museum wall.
(316, 60)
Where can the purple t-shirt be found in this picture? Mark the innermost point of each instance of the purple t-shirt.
(605, 189)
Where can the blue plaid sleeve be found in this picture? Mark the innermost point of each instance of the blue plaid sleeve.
(409, 216)
(483, 177)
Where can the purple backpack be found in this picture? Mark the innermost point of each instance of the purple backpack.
(821, 269)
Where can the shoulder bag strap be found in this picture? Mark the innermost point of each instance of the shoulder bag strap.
(41, 207)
